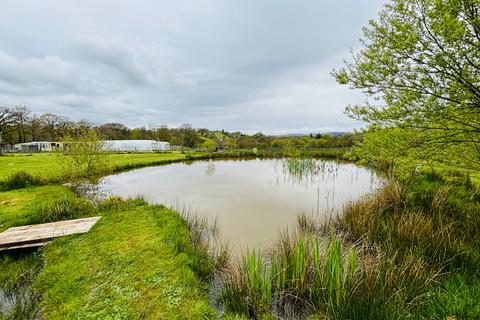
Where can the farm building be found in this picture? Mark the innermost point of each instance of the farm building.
(136, 145)
(36, 146)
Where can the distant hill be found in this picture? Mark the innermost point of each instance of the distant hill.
(333, 133)
(336, 133)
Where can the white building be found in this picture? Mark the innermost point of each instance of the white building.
(36, 146)
(136, 145)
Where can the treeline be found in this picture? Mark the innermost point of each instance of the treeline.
(19, 125)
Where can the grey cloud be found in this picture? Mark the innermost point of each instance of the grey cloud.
(245, 64)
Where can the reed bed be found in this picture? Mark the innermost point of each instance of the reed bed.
(403, 252)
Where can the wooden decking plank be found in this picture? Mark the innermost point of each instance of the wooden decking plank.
(40, 234)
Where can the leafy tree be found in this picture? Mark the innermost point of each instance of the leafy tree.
(35, 127)
(57, 127)
(187, 136)
(209, 145)
(23, 118)
(420, 63)
(83, 156)
(162, 133)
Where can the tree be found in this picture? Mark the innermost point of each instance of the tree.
(162, 133)
(114, 131)
(83, 156)
(187, 136)
(420, 63)
(56, 126)
(23, 117)
(8, 120)
(34, 127)
(209, 145)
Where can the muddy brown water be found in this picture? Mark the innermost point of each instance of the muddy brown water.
(253, 200)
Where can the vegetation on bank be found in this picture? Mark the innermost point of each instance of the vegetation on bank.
(45, 167)
(139, 261)
(19, 125)
(412, 249)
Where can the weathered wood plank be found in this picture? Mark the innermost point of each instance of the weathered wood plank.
(40, 234)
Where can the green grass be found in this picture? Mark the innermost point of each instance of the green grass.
(134, 264)
(139, 261)
(47, 167)
(37, 205)
(20, 170)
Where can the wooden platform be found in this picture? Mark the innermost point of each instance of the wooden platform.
(40, 234)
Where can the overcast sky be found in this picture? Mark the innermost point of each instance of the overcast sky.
(248, 65)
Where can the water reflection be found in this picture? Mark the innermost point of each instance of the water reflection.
(210, 170)
(253, 199)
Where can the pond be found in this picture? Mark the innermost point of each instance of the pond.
(253, 200)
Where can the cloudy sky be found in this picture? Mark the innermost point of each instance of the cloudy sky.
(249, 65)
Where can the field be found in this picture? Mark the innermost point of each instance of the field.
(47, 166)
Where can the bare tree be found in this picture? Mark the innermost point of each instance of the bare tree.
(8, 120)
(58, 127)
(35, 127)
(188, 136)
(23, 117)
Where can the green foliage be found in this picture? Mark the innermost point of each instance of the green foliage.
(64, 208)
(35, 204)
(456, 297)
(407, 239)
(421, 59)
(209, 145)
(47, 167)
(83, 156)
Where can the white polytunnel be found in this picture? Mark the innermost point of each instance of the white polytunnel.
(136, 145)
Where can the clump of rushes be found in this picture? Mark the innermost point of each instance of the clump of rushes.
(20, 179)
(313, 272)
(65, 208)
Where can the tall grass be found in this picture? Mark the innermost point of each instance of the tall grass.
(17, 299)
(211, 254)
(20, 179)
(65, 208)
(388, 256)
(307, 275)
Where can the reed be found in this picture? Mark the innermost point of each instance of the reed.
(20, 179)
(65, 208)
(211, 254)
(386, 257)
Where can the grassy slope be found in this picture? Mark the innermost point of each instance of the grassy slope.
(20, 207)
(134, 264)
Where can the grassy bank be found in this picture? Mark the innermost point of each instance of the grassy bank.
(46, 168)
(137, 262)
(410, 250)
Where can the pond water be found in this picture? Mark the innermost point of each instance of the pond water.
(253, 200)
